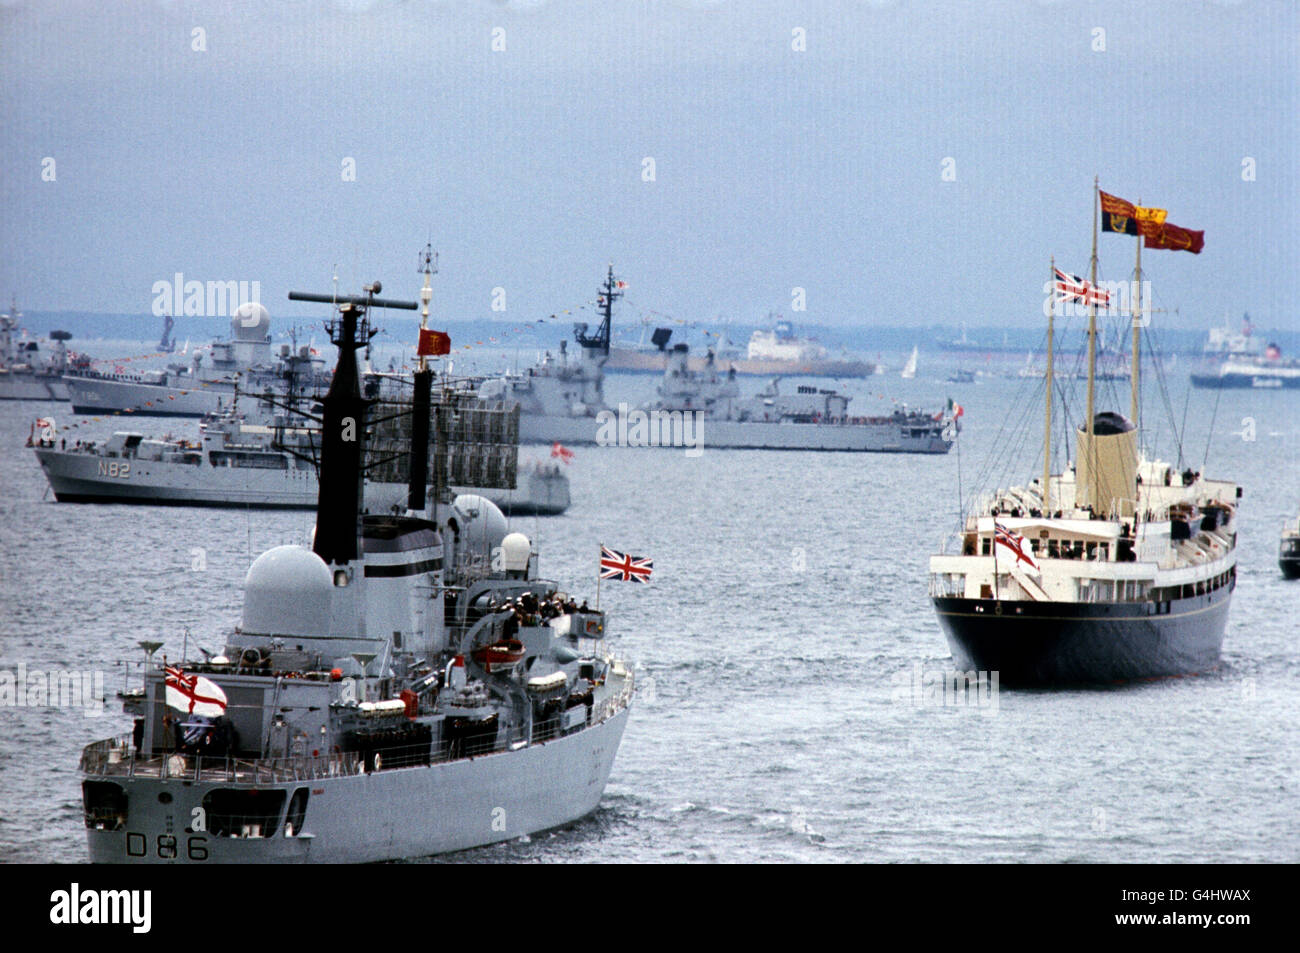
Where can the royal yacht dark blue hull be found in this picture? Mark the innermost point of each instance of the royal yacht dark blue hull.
(1062, 643)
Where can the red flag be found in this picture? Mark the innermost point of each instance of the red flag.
(561, 451)
(1175, 238)
(433, 343)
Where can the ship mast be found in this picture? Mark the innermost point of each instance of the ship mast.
(1092, 318)
(343, 427)
(1135, 371)
(418, 461)
(1047, 426)
(600, 340)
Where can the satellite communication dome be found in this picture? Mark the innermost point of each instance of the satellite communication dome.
(515, 551)
(482, 525)
(288, 591)
(250, 322)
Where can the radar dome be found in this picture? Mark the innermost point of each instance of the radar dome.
(515, 550)
(481, 524)
(288, 591)
(250, 322)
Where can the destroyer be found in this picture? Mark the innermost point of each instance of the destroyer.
(1117, 568)
(25, 372)
(810, 418)
(238, 464)
(563, 400)
(406, 686)
(246, 361)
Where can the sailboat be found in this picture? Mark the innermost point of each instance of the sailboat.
(1119, 567)
(909, 369)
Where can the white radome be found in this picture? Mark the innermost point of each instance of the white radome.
(288, 591)
(250, 322)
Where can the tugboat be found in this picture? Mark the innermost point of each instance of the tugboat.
(1118, 568)
(1288, 554)
(26, 374)
(349, 718)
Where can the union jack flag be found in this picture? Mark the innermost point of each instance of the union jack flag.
(1074, 288)
(194, 693)
(621, 566)
(561, 451)
(1015, 543)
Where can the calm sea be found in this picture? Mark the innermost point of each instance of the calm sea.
(776, 645)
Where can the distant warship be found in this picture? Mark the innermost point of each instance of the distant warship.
(237, 464)
(562, 399)
(245, 361)
(769, 352)
(1118, 568)
(26, 373)
(406, 686)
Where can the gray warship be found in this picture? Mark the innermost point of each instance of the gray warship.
(406, 686)
(562, 400)
(25, 372)
(246, 361)
(266, 464)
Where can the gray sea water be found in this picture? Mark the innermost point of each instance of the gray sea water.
(788, 606)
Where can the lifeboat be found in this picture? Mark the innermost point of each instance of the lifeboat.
(499, 656)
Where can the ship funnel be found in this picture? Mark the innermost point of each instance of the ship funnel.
(1107, 466)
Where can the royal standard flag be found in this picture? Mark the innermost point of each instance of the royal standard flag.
(1174, 238)
(1117, 215)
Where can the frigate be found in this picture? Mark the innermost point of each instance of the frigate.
(26, 373)
(562, 400)
(265, 464)
(1119, 567)
(405, 686)
(245, 361)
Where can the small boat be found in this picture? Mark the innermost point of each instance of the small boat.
(1288, 553)
(500, 655)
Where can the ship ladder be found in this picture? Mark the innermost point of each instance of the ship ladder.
(1032, 589)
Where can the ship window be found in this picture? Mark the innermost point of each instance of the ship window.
(105, 805)
(985, 547)
(243, 813)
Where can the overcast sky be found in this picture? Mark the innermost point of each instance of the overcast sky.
(774, 168)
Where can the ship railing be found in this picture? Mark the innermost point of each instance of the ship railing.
(612, 704)
(116, 757)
